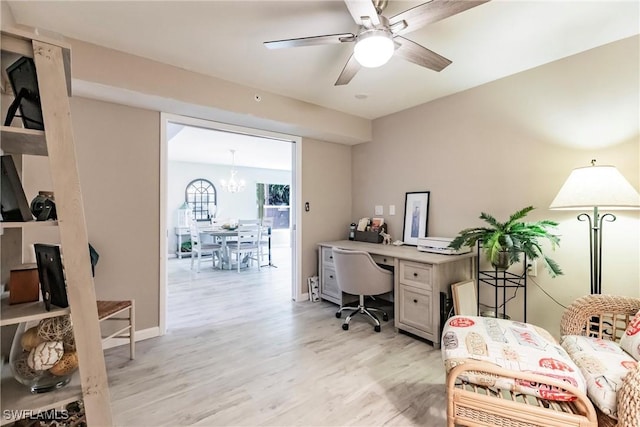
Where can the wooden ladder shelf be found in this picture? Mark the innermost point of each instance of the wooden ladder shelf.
(52, 61)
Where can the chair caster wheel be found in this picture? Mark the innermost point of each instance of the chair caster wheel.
(345, 326)
(385, 317)
(338, 314)
(376, 328)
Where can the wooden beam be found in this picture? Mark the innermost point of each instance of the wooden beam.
(49, 60)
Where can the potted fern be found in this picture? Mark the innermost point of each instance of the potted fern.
(505, 242)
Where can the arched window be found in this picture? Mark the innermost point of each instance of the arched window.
(201, 196)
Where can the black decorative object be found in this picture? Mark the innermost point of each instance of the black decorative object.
(13, 202)
(51, 275)
(372, 236)
(93, 254)
(43, 206)
(24, 82)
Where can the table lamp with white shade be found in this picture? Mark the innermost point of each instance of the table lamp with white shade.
(596, 187)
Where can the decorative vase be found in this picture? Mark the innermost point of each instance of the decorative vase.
(43, 206)
(43, 355)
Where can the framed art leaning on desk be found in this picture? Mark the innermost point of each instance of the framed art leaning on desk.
(416, 217)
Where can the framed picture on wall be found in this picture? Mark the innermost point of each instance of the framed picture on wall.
(416, 216)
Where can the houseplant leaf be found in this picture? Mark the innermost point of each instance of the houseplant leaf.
(512, 238)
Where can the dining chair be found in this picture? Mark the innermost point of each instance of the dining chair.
(247, 245)
(266, 225)
(198, 248)
(265, 239)
(248, 222)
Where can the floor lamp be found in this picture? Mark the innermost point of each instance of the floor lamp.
(596, 187)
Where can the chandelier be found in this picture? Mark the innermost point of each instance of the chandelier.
(232, 185)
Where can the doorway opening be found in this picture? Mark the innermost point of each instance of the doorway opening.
(218, 174)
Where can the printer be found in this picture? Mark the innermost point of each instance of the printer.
(440, 245)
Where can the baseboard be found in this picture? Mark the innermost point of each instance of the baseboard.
(303, 297)
(141, 335)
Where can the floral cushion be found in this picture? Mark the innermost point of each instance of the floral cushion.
(603, 364)
(510, 345)
(630, 341)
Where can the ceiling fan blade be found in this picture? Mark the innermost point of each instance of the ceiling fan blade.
(350, 69)
(420, 55)
(363, 8)
(426, 13)
(311, 41)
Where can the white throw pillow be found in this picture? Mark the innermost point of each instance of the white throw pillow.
(604, 364)
(630, 341)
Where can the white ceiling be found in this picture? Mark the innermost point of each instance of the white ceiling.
(224, 39)
(199, 145)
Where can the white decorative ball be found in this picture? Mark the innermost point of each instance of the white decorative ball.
(45, 355)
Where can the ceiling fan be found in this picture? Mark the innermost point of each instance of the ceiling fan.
(379, 37)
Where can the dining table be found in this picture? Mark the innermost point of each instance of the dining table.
(223, 234)
(220, 234)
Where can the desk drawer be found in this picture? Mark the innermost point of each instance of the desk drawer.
(383, 260)
(418, 275)
(327, 255)
(329, 284)
(415, 306)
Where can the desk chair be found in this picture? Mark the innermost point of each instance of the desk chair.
(107, 310)
(358, 274)
(198, 248)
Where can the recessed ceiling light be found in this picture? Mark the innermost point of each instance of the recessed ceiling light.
(361, 96)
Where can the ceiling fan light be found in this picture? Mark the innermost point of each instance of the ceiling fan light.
(373, 48)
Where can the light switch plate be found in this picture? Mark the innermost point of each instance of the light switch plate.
(392, 209)
(379, 210)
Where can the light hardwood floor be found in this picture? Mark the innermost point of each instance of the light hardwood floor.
(239, 352)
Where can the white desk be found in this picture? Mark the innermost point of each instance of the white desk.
(419, 277)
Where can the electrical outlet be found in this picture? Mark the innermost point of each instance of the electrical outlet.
(532, 268)
(379, 210)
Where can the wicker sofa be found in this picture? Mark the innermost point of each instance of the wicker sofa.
(473, 404)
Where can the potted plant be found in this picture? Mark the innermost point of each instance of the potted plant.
(504, 242)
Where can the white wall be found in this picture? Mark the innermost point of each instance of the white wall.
(230, 205)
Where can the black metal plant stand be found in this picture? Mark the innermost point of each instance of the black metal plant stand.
(270, 264)
(501, 280)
